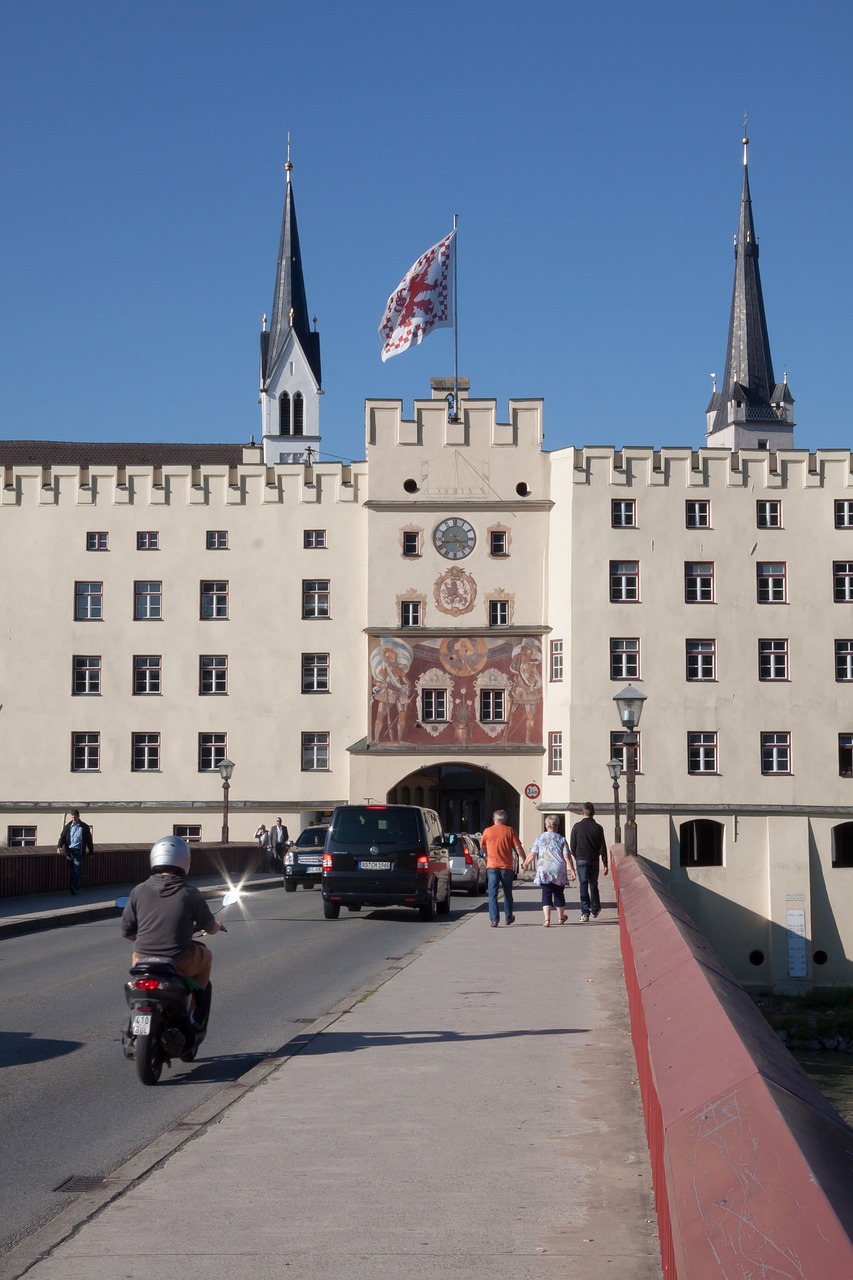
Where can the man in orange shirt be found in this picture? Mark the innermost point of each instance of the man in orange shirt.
(499, 842)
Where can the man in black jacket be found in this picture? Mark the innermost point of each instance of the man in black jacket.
(76, 842)
(588, 844)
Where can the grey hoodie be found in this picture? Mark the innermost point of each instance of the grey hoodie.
(164, 912)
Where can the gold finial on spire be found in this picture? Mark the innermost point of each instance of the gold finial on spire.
(745, 140)
(288, 166)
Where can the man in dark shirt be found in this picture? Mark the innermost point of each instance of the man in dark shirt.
(588, 844)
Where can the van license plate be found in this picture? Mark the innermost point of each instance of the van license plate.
(140, 1024)
(374, 866)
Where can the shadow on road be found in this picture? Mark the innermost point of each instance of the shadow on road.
(19, 1047)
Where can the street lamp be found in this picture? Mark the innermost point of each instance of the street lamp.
(630, 703)
(226, 768)
(614, 768)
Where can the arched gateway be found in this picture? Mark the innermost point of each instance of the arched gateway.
(464, 796)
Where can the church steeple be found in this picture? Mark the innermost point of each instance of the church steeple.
(290, 352)
(750, 410)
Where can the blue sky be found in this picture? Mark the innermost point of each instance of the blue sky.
(592, 154)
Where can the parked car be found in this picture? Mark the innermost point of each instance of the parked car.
(467, 864)
(386, 855)
(303, 861)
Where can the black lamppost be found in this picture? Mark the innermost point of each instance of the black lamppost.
(226, 768)
(630, 703)
(614, 768)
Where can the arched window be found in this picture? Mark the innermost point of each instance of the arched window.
(419, 795)
(405, 795)
(701, 843)
(298, 415)
(284, 414)
(842, 845)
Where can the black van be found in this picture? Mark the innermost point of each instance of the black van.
(385, 855)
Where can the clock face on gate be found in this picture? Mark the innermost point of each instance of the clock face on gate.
(454, 538)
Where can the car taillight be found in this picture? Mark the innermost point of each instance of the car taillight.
(327, 862)
(469, 861)
(146, 984)
(423, 863)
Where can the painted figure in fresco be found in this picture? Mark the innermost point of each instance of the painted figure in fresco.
(463, 655)
(526, 688)
(389, 663)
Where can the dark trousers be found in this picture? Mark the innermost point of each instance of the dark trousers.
(75, 869)
(588, 881)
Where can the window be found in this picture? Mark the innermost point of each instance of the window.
(842, 845)
(624, 659)
(624, 580)
(211, 751)
(699, 582)
(701, 753)
(556, 659)
(555, 753)
(21, 837)
(411, 542)
(701, 659)
(498, 613)
(410, 613)
(773, 659)
(86, 674)
(498, 545)
(843, 514)
(768, 515)
(148, 541)
(844, 659)
(697, 514)
(623, 513)
(315, 598)
(775, 753)
(298, 414)
(189, 831)
(147, 671)
(145, 753)
(88, 601)
(492, 706)
(315, 752)
(771, 577)
(842, 577)
(85, 752)
(214, 600)
(147, 601)
(312, 538)
(284, 414)
(212, 674)
(315, 673)
(845, 755)
(97, 542)
(434, 706)
(618, 751)
(216, 540)
(701, 843)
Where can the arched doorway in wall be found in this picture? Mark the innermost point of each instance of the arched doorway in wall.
(464, 796)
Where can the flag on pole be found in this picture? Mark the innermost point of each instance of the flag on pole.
(421, 301)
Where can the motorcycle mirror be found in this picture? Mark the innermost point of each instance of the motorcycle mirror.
(231, 898)
(121, 903)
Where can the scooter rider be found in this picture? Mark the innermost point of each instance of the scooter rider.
(164, 912)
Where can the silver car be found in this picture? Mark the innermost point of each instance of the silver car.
(467, 864)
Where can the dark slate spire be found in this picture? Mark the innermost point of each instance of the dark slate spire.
(749, 393)
(290, 307)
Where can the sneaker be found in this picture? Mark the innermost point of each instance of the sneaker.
(584, 919)
(596, 914)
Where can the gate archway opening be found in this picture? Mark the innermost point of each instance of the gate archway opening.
(463, 796)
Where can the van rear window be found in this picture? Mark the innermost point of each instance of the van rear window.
(358, 825)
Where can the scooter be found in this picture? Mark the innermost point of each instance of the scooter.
(162, 1023)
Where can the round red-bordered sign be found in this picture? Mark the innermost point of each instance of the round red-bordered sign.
(532, 791)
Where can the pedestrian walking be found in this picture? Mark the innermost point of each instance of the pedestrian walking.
(500, 842)
(588, 845)
(265, 845)
(278, 840)
(76, 842)
(555, 866)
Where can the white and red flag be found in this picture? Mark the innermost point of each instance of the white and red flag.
(421, 301)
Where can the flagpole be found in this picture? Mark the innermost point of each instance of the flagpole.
(455, 335)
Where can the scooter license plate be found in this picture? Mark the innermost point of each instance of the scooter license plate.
(140, 1024)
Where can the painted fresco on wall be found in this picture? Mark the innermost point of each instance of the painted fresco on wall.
(456, 690)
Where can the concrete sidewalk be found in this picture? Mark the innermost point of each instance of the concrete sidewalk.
(474, 1114)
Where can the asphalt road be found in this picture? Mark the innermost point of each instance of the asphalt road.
(72, 1105)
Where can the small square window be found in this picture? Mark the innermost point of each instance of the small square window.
(624, 659)
(410, 613)
(434, 706)
(85, 752)
(775, 753)
(699, 582)
(624, 581)
(498, 545)
(21, 837)
(212, 750)
(147, 601)
(147, 673)
(697, 513)
(97, 542)
(843, 514)
(771, 582)
(88, 601)
(189, 831)
(768, 515)
(492, 706)
(498, 613)
(411, 543)
(315, 752)
(773, 659)
(701, 659)
(216, 540)
(145, 753)
(86, 678)
(214, 601)
(623, 513)
(702, 753)
(147, 541)
(212, 674)
(313, 538)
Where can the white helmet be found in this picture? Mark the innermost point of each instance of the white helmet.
(170, 851)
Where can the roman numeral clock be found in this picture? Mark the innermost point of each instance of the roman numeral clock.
(454, 538)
